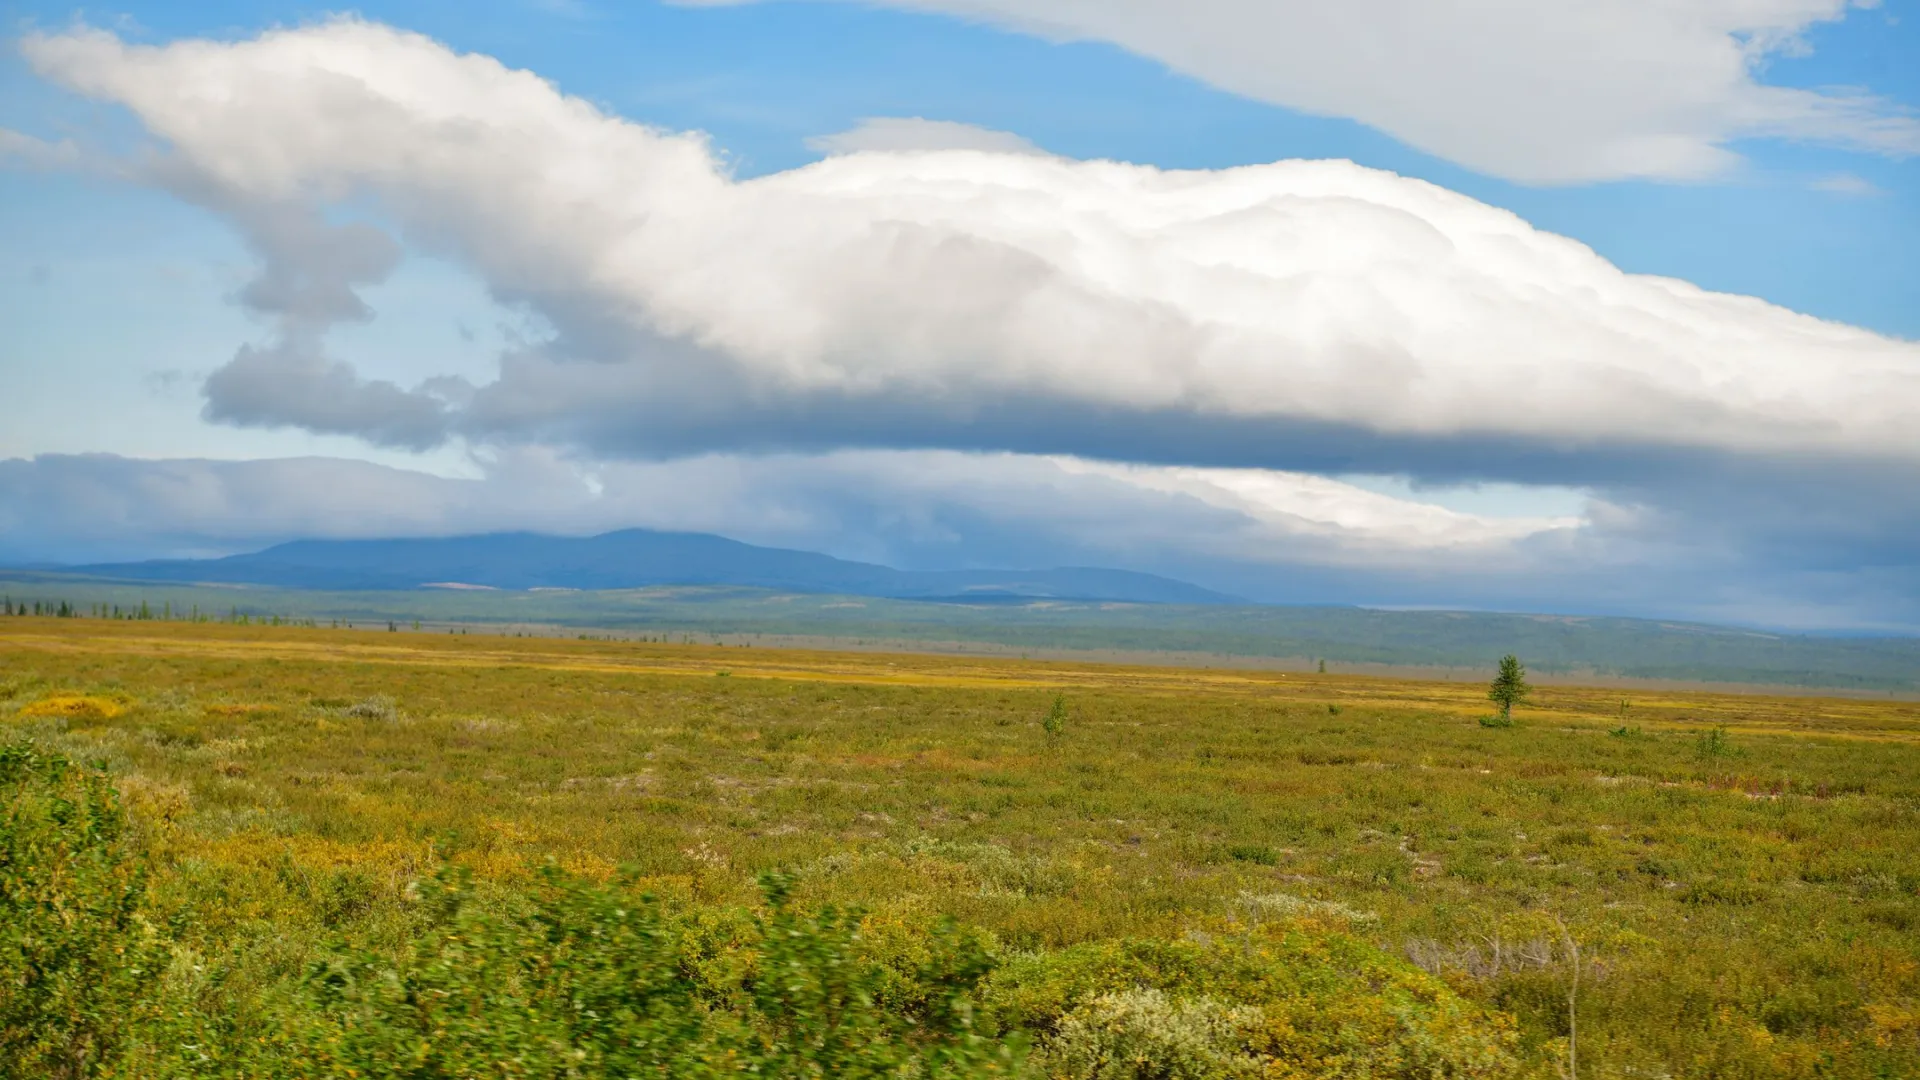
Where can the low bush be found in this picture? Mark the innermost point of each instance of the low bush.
(1145, 1035)
(1294, 997)
(568, 977)
(76, 959)
(589, 980)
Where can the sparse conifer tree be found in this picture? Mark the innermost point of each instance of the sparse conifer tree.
(1510, 687)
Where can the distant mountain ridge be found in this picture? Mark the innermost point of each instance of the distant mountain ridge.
(636, 558)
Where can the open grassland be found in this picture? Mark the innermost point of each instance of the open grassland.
(1193, 873)
(1284, 637)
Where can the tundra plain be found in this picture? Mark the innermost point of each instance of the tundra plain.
(1164, 872)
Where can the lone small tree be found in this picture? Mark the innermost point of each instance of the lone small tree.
(1510, 686)
(1056, 722)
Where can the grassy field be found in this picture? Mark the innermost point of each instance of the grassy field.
(1168, 872)
(1347, 638)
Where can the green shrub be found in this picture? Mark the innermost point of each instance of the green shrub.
(1056, 721)
(1258, 854)
(594, 981)
(1145, 1035)
(1714, 743)
(75, 958)
(1292, 997)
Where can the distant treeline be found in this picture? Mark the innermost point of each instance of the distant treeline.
(65, 609)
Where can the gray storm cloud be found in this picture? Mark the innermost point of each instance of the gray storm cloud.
(292, 383)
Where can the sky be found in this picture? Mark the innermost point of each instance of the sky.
(1601, 308)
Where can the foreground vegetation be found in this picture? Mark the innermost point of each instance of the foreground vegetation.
(320, 853)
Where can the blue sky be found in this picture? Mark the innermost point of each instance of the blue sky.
(120, 295)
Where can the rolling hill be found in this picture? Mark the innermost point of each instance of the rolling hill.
(635, 558)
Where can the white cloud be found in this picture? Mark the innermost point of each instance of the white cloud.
(1846, 184)
(1539, 92)
(38, 153)
(906, 501)
(1361, 524)
(938, 352)
(1300, 314)
(886, 134)
(1264, 535)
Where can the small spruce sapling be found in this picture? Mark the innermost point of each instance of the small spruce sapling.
(1056, 721)
(1714, 744)
(1510, 687)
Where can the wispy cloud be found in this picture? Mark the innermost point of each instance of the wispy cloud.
(1539, 92)
(1266, 535)
(22, 149)
(887, 134)
(1846, 184)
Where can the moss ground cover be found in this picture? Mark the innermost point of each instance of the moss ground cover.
(1125, 871)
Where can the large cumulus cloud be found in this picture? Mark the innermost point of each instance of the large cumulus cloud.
(976, 299)
(1211, 328)
(1538, 92)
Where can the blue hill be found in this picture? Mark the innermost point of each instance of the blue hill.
(634, 558)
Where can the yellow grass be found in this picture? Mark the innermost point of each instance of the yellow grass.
(1754, 713)
(75, 707)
